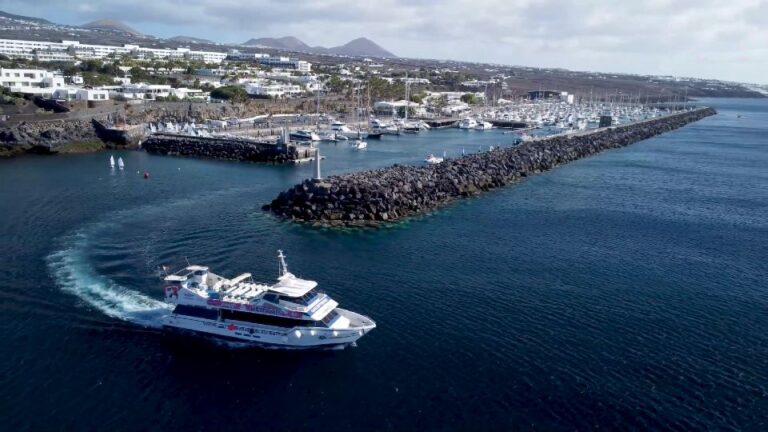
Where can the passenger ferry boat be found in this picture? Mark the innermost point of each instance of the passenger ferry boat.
(289, 314)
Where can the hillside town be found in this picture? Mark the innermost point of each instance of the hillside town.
(267, 82)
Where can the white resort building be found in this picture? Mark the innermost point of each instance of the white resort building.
(69, 50)
(144, 91)
(273, 90)
(31, 81)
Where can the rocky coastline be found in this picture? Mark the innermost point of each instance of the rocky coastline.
(371, 198)
(56, 133)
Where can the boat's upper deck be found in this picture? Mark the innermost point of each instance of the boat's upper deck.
(290, 293)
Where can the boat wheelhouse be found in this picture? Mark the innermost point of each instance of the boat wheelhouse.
(291, 313)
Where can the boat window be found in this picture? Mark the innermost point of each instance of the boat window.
(197, 312)
(271, 298)
(265, 319)
(303, 300)
(330, 317)
(199, 273)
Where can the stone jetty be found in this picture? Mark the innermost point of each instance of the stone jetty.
(226, 148)
(371, 197)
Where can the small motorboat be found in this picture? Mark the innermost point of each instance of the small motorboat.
(360, 145)
(433, 160)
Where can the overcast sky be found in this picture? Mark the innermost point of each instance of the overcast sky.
(701, 38)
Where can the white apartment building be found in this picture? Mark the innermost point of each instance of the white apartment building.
(415, 80)
(65, 93)
(286, 63)
(31, 81)
(189, 93)
(237, 55)
(92, 95)
(273, 90)
(68, 50)
(144, 91)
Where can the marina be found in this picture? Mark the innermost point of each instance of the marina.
(246, 140)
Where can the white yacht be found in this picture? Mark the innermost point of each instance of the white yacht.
(483, 125)
(289, 314)
(433, 160)
(384, 128)
(341, 129)
(467, 123)
(304, 135)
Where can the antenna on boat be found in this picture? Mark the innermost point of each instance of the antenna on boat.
(282, 266)
(187, 260)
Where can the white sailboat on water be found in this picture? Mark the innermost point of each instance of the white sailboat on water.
(112, 162)
(120, 163)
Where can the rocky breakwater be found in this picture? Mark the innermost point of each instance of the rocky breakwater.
(372, 197)
(219, 148)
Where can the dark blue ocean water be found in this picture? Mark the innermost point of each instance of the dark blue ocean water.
(628, 291)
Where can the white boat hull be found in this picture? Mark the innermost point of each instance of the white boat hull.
(270, 336)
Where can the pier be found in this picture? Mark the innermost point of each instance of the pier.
(227, 148)
(371, 197)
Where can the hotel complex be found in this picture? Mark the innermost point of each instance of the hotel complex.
(68, 50)
(277, 83)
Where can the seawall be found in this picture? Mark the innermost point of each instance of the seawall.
(390, 194)
(224, 148)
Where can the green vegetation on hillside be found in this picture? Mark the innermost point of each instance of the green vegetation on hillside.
(230, 93)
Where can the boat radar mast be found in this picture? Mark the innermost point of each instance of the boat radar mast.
(282, 266)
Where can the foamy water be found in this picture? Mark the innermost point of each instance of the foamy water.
(74, 274)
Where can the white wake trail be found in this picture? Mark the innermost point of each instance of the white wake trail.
(74, 274)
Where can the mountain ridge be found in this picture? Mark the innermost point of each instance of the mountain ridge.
(4, 14)
(190, 39)
(113, 25)
(362, 47)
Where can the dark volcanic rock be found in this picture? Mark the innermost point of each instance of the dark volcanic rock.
(396, 192)
(218, 148)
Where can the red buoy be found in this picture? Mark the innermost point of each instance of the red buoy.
(146, 174)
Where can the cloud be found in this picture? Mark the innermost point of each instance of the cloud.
(682, 37)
